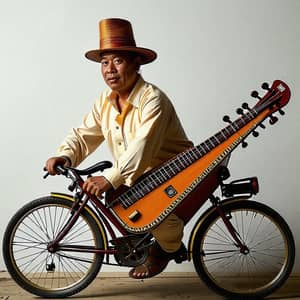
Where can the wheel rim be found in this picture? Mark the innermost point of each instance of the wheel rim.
(35, 264)
(245, 273)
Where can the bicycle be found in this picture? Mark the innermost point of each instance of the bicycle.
(54, 246)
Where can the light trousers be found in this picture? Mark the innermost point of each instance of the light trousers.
(169, 233)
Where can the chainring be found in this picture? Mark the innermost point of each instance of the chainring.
(128, 254)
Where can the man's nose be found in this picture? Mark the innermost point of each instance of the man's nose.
(111, 67)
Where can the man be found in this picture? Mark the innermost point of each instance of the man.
(140, 125)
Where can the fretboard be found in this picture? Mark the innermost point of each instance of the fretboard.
(181, 161)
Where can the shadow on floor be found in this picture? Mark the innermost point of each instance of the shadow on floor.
(168, 288)
(161, 287)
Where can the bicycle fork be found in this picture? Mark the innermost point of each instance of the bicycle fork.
(226, 219)
(78, 206)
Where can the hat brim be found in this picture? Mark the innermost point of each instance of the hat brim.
(147, 55)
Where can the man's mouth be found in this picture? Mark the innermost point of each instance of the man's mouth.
(112, 79)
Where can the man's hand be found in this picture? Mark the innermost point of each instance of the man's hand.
(53, 162)
(96, 185)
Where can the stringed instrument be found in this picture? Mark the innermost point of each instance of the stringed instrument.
(161, 191)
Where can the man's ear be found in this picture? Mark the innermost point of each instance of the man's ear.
(138, 62)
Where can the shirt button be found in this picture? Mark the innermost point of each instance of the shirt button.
(117, 127)
(120, 143)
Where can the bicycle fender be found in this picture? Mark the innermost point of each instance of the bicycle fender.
(204, 215)
(90, 211)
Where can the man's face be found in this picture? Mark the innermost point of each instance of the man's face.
(119, 71)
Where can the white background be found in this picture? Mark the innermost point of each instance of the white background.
(212, 54)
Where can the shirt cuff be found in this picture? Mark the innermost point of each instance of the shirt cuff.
(69, 155)
(68, 161)
(114, 176)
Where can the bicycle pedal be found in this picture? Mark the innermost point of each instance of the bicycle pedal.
(181, 258)
(181, 254)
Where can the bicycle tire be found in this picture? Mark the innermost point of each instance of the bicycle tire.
(33, 267)
(228, 272)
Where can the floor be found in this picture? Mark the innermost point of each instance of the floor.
(173, 286)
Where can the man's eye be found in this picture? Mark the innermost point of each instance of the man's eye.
(104, 63)
(118, 61)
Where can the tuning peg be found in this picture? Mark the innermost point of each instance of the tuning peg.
(255, 94)
(227, 119)
(255, 133)
(261, 125)
(244, 144)
(245, 106)
(240, 111)
(279, 109)
(265, 86)
(273, 120)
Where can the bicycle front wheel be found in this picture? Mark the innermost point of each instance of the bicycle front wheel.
(251, 274)
(33, 267)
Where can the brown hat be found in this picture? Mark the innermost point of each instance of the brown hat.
(117, 35)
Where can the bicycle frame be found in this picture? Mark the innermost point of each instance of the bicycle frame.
(55, 246)
(83, 199)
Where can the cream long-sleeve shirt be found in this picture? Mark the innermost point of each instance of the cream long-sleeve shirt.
(146, 133)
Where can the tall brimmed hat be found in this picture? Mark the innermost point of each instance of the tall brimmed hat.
(117, 35)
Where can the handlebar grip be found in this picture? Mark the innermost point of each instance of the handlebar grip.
(59, 169)
(46, 175)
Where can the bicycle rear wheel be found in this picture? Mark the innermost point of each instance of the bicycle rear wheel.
(222, 266)
(46, 274)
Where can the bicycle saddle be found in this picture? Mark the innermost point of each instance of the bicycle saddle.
(100, 166)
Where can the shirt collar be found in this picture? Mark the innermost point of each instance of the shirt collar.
(133, 96)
